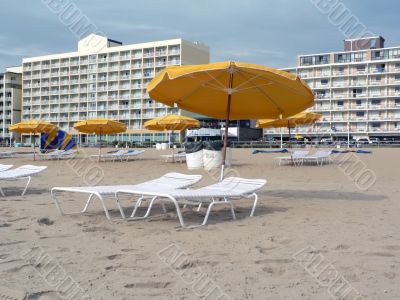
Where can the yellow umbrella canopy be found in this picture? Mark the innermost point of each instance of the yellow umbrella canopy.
(231, 91)
(100, 126)
(302, 118)
(33, 127)
(256, 91)
(171, 122)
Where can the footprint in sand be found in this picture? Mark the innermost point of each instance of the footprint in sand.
(44, 295)
(147, 285)
(389, 275)
(264, 250)
(393, 247)
(98, 229)
(273, 271)
(342, 247)
(383, 254)
(45, 221)
(112, 257)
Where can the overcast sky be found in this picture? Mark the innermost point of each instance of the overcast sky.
(268, 32)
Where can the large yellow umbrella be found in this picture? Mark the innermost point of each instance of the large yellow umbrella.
(33, 127)
(100, 126)
(231, 91)
(171, 123)
(302, 118)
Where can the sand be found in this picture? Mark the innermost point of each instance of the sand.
(314, 228)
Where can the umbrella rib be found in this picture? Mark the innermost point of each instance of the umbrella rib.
(198, 88)
(265, 95)
(276, 82)
(219, 85)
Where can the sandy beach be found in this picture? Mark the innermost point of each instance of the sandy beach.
(318, 233)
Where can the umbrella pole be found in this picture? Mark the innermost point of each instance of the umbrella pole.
(34, 147)
(290, 145)
(173, 149)
(99, 146)
(228, 110)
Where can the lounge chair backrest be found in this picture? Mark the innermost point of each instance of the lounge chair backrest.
(322, 153)
(301, 153)
(177, 180)
(5, 167)
(241, 185)
(134, 152)
(25, 170)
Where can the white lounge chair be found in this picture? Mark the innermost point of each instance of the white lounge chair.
(296, 157)
(172, 180)
(110, 155)
(7, 154)
(67, 154)
(54, 154)
(178, 157)
(5, 167)
(135, 154)
(221, 193)
(320, 157)
(20, 173)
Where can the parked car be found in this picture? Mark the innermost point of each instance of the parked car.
(327, 141)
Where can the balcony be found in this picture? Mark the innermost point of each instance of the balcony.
(360, 95)
(339, 96)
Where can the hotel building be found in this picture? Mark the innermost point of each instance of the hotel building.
(10, 102)
(103, 79)
(357, 89)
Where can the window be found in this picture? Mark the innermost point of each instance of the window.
(373, 44)
(376, 102)
(360, 68)
(376, 125)
(360, 114)
(340, 103)
(358, 102)
(306, 61)
(324, 81)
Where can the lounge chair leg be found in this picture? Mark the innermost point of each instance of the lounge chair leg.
(53, 195)
(178, 211)
(119, 206)
(254, 204)
(150, 207)
(208, 213)
(138, 203)
(27, 184)
(1, 192)
(199, 207)
(87, 203)
(104, 206)
(163, 207)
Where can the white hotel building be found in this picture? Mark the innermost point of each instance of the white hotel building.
(357, 89)
(10, 102)
(103, 79)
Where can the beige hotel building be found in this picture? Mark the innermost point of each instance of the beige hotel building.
(103, 79)
(357, 89)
